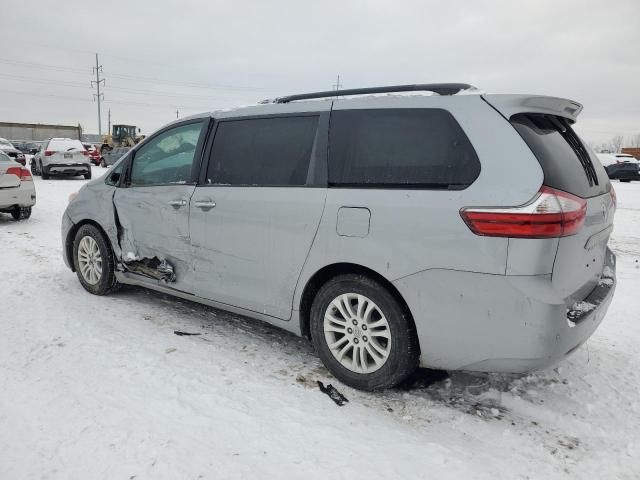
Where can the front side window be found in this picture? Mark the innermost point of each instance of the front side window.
(263, 152)
(167, 158)
(410, 148)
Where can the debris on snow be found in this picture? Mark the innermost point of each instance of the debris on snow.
(185, 334)
(333, 394)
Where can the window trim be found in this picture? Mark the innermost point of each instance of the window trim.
(125, 180)
(403, 186)
(317, 172)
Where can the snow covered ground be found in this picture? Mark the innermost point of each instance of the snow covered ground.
(102, 388)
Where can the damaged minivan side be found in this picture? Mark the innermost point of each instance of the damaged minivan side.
(393, 231)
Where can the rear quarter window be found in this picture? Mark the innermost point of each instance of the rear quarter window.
(400, 148)
(568, 164)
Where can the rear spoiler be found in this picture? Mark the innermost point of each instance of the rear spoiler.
(509, 105)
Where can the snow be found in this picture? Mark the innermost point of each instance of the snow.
(101, 388)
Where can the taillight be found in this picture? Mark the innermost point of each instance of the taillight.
(614, 197)
(48, 153)
(552, 213)
(20, 172)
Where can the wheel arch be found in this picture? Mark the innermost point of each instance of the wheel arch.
(68, 244)
(330, 271)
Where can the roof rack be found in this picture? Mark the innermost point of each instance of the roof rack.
(439, 88)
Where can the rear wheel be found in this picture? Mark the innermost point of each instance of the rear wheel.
(34, 168)
(88, 174)
(44, 171)
(21, 213)
(94, 261)
(362, 334)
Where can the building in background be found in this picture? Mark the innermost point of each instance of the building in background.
(38, 131)
(634, 151)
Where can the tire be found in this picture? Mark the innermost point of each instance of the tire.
(34, 168)
(88, 174)
(626, 180)
(44, 172)
(396, 338)
(90, 241)
(103, 163)
(21, 213)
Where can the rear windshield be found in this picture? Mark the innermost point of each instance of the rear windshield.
(64, 145)
(567, 163)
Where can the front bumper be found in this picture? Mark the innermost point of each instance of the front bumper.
(65, 229)
(499, 323)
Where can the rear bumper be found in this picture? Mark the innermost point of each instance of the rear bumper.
(69, 168)
(497, 323)
(23, 196)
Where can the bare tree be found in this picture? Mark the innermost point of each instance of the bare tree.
(616, 143)
(634, 141)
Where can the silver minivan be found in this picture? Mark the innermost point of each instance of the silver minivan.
(441, 228)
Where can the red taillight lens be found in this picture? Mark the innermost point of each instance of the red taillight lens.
(614, 197)
(20, 172)
(552, 213)
(48, 153)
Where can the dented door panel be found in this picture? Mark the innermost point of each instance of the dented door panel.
(154, 224)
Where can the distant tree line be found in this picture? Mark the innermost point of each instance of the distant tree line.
(616, 143)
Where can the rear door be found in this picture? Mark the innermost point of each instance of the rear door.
(572, 167)
(153, 206)
(255, 213)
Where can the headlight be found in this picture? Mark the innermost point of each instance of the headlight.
(72, 196)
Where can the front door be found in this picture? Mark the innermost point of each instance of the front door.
(254, 217)
(153, 206)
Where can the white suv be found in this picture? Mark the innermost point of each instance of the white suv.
(63, 156)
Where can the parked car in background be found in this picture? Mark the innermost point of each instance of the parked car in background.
(448, 231)
(62, 156)
(7, 147)
(620, 166)
(17, 191)
(109, 157)
(94, 153)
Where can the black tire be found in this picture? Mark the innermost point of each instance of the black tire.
(107, 282)
(103, 163)
(626, 180)
(44, 172)
(34, 168)
(404, 352)
(21, 213)
(88, 174)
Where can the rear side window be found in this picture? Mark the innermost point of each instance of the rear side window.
(567, 163)
(263, 152)
(405, 148)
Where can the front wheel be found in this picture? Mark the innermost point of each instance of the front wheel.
(34, 168)
(94, 261)
(362, 334)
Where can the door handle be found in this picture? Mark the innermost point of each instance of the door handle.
(205, 205)
(178, 203)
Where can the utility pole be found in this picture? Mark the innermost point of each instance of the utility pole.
(109, 124)
(98, 96)
(177, 113)
(336, 86)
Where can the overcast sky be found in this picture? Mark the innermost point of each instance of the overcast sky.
(200, 56)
